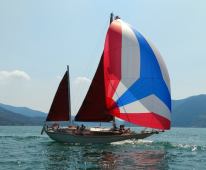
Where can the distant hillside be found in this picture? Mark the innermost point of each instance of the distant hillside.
(8, 118)
(190, 112)
(24, 111)
(176, 103)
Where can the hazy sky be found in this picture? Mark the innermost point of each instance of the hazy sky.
(39, 38)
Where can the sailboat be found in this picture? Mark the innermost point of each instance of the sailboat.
(131, 83)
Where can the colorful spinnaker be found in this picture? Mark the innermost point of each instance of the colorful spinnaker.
(137, 84)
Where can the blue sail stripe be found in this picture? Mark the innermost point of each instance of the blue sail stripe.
(162, 92)
(147, 55)
(138, 88)
(137, 92)
(150, 81)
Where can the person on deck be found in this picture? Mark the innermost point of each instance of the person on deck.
(121, 128)
(77, 130)
(82, 128)
(127, 130)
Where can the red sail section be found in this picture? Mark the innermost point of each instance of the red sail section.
(112, 59)
(93, 108)
(59, 110)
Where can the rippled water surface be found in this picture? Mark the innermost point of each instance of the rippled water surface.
(180, 148)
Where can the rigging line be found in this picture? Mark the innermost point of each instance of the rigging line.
(118, 98)
(84, 83)
(93, 57)
(96, 49)
(90, 59)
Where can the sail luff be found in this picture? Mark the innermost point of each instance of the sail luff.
(111, 20)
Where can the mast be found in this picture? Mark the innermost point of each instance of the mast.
(69, 97)
(111, 19)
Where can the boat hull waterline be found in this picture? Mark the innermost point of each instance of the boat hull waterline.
(73, 138)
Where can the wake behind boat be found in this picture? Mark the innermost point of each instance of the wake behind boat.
(131, 83)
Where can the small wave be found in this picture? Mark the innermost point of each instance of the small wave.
(159, 144)
(123, 142)
(144, 141)
(190, 147)
(133, 142)
(22, 137)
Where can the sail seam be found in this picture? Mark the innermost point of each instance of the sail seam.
(118, 97)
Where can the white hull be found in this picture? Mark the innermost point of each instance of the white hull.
(72, 138)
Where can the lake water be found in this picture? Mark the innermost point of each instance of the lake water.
(180, 148)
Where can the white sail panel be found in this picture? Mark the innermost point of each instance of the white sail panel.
(130, 60)
(150, 104)
(130, 57)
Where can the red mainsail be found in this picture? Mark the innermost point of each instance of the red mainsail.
(59, 110)
(93, 108)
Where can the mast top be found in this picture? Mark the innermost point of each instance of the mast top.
(111, 17)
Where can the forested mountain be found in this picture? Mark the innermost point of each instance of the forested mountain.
(9, 118)
(189, 112)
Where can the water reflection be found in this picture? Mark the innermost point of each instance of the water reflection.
(134, 160)
(66, 156)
